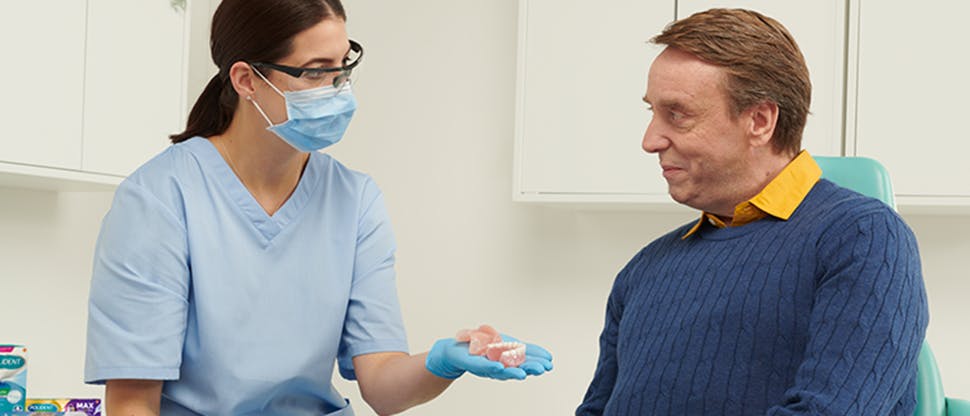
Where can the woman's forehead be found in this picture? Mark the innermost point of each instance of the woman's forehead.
(325, 41)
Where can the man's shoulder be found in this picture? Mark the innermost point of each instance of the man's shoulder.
(830, 202)
(834, 211)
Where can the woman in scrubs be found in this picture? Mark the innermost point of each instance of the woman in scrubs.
(236, 267)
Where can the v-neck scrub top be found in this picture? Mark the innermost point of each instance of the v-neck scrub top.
(241, 312)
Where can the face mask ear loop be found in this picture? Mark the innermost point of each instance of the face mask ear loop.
(250, 99)
(268, 83)
(258, 108)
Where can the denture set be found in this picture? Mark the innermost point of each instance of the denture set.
(488, 342)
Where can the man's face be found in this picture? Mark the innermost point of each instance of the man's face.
(703, 148)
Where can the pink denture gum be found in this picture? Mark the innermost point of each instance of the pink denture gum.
(478, 339)
(486, 341)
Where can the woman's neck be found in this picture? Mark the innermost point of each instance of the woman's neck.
(268, 167)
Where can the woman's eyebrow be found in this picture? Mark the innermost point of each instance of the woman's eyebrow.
(325, 61)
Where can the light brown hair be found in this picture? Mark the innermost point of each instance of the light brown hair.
(761, 60)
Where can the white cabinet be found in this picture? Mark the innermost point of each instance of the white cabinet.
(580, 118)
(909, 89)
(134, 87)
(582, 73)
(43, 81)
(819, 29)
(92, 89)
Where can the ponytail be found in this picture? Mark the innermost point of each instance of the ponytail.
(212, 112)
(249, 31)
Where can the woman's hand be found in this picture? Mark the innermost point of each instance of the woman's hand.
(450, 359)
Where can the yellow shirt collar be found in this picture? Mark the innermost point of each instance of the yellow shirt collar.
(779, 198)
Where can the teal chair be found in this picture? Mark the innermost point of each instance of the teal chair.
(870, 178)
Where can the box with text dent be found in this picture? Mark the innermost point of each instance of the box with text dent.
(81, 407)
(13, 377)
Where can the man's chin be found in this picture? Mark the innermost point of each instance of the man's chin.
(682, 198)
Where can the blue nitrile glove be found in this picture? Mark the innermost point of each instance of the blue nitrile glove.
(450, 359)
(537, 359)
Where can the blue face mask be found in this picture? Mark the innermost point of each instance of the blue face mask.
(316, 118)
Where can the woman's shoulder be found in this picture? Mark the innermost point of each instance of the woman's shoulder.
(339, 175)
(165, 174)
(169, 162)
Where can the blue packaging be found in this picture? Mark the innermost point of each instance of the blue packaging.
(13, 378)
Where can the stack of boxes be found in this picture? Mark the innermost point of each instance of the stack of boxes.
(13, 391)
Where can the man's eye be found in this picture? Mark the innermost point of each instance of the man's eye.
(676, 116)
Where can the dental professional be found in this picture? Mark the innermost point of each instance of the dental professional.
(236, 267)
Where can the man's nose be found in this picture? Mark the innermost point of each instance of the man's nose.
(654, 139)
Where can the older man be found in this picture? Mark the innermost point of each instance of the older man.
(790, 295)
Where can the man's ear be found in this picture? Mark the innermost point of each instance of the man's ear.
(762, 119)
(243, 79)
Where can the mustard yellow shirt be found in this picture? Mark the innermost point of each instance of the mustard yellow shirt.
(778, 199)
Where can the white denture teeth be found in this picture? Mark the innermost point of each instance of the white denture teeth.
(504, 345)
(510, 354)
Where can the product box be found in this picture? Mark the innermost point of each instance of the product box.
(13, 378)
(81, 407)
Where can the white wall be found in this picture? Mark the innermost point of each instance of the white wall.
(46, 246)
(435, 130)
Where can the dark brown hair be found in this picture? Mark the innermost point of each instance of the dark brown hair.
(250, 31)
(761, 59)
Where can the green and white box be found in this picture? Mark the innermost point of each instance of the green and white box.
(13, 378)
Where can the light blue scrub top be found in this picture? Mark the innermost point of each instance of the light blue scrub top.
(241, 312)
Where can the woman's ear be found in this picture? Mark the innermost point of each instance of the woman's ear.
(763, 118)
(243, 79)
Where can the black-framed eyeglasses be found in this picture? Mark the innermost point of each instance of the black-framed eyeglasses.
(304, 78)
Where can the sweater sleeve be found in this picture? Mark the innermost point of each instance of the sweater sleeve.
(601, 388)
(867, 323)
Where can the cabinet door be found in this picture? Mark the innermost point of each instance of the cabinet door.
(134, 84)
(580, 116)
(43, 78)
(912, 95)
(819, 30)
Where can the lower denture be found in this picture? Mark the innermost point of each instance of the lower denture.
(510, 354)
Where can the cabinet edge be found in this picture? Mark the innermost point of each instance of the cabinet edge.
(15, 175)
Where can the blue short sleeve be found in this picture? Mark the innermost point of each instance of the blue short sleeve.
(139, 290)
(373, 322)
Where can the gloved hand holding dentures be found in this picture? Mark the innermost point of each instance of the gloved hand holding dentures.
(485, 352)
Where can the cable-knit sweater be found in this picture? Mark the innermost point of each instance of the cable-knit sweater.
(824, 313)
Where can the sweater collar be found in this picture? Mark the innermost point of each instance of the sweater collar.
(779, 199)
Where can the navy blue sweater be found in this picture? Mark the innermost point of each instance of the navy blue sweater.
(823, 314)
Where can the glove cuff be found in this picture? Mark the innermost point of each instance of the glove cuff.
(438, 365)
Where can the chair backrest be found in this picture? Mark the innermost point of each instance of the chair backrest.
(869, 177)
(861, 174)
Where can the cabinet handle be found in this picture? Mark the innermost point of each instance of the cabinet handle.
(178, 5)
